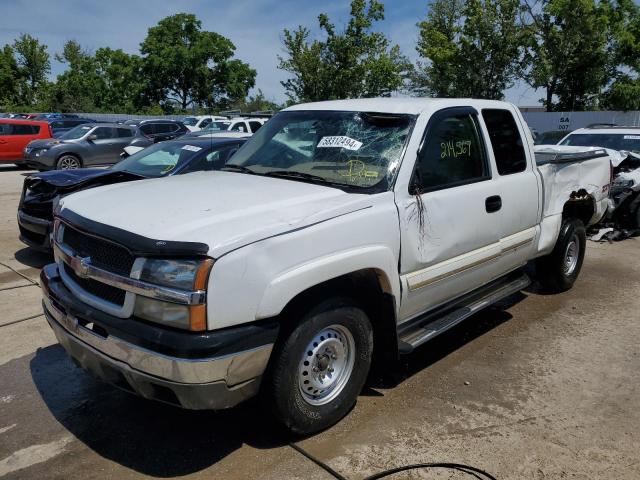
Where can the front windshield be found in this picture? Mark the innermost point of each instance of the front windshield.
(352, 149)
(614, 141)
(190, 121)
(158, 160)
(76, 132)
(218, 127)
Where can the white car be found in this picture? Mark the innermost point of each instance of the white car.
(241, 125)
(342, 232)
(198, 122)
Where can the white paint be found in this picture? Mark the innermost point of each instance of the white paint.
(33, 455)
(7, 398)
(6, 429)
(273, 238)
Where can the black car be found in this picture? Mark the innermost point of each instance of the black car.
(62, 125)
(155, 130)
(35, 211)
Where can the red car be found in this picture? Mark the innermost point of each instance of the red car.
(16, 134)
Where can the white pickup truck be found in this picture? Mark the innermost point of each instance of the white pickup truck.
(342, 233)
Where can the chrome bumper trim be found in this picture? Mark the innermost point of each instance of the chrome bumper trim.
(84, 269)
(233, 369)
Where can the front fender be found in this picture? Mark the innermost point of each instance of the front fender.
(291, 283)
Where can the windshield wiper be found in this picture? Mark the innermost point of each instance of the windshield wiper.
(237, 168)
(293, 174)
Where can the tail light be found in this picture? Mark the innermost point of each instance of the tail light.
(50, 131)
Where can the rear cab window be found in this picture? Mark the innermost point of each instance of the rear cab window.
(452, 153)
(506, 141)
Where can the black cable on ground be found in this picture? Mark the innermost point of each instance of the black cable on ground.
(469, 470)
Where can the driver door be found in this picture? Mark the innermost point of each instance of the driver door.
(450, 225)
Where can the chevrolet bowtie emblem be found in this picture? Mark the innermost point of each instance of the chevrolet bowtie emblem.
(83, 269)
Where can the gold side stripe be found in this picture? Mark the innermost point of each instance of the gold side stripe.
(464, 268)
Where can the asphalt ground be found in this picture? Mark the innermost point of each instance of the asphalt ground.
(538, 387)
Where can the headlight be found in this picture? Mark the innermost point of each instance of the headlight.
(188, 275)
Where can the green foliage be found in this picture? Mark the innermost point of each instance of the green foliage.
(10, 77)
(357, 62)
(471, 48)
(187, 65)
(255, 103)
(569, 55)
(33, 67)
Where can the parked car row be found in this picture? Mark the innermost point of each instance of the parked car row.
(55, 141)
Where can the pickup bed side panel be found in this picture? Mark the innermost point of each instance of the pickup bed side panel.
(559, 182)
(259, 280)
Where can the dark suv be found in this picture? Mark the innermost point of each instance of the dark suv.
(156, 130)
(62, 125)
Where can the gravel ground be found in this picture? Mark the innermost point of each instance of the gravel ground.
(539, 387)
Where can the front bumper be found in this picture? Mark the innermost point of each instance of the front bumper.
(39, 162)
(35, 232)
(212, 370)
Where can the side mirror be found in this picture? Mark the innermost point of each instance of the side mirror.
(92, 137)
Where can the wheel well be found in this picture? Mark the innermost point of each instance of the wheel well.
(369, 288)
(580, 205)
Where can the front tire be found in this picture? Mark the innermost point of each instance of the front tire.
(558, 271)
(68, 162)
(320, 368)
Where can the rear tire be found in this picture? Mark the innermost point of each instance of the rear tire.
(558, 271)
(68, 162)
(320, 368)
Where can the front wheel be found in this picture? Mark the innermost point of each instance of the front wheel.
(320, 368)
(68, 162)
(558, 271)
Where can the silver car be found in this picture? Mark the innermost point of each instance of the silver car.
(83, 146)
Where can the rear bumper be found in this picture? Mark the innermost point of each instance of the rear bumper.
(35, 232)
(212, 381)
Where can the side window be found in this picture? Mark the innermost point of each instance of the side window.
(255, 126)
(5, 129)
(505, 140)
(147, 129)
(238, 127)
(124, 132)
(205, 122)
(163, 128)
(452, 153)
(103, 133)
(25, 129)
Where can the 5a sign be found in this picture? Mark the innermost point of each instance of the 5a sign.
(564, 123)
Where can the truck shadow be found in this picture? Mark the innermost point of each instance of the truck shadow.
(165, 441)
(149, 437)
(33, 258)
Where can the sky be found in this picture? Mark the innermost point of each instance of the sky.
(254, 26)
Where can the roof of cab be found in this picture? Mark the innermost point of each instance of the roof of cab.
(630, 130)
(407, 105)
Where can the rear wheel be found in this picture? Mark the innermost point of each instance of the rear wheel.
(321, 366)
(558, 271)
(68, 162)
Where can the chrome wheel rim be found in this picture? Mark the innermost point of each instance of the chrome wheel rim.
(326, 365)
(69, 163)
(571, 254)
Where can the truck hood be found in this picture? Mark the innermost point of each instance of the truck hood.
(225, 210)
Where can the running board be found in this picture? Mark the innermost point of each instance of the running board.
(426, 327)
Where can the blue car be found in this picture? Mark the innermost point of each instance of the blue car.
(174, 157)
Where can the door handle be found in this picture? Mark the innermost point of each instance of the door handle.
(493, 203)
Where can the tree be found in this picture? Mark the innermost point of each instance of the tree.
(10, 78)
(34, 66)
(255, 103)
(624, 91)
(122, 82)
(569, 56)
(357, 62)
(78, 88)
(471, 48)
(188, 65)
